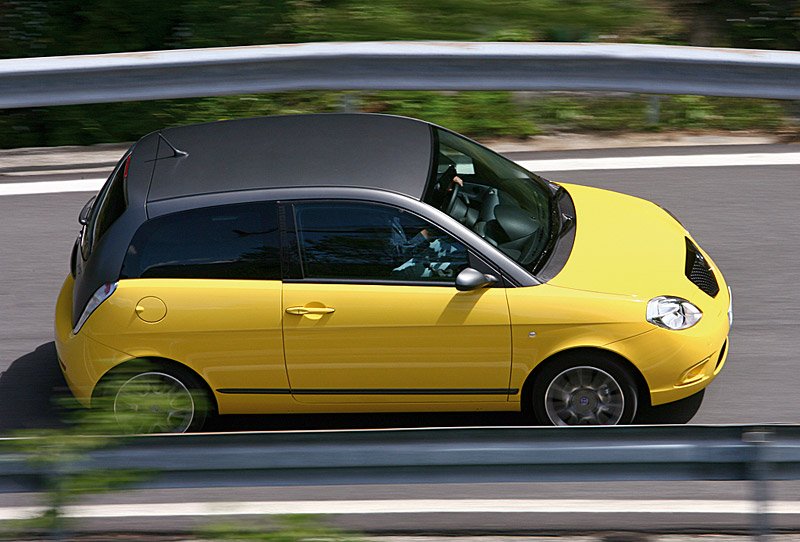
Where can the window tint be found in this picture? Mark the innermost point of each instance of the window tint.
(107, 208)
(113, 205)
(227, 242)
(360, 241)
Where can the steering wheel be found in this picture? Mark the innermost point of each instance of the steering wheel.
(455, 188)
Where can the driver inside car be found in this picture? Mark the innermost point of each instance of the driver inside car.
(442, 190)
(428, 254)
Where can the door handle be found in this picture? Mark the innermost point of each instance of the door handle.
(309, 310)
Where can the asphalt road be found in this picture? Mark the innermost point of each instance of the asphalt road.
(744, 216)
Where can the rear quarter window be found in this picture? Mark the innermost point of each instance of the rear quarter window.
(239, 241)
(109, 206)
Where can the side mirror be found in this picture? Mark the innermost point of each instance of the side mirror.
(472, 279)
(83, 218)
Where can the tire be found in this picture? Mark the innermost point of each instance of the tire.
(151, 398)
(584, 388)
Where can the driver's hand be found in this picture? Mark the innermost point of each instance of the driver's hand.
(456, 180)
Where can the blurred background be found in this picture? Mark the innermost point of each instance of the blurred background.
(73, 27)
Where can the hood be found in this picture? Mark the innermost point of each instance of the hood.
(625, 245)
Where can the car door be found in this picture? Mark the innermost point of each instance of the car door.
(371, 313)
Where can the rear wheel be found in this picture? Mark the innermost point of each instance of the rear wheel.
(153, 399)
(585, 388)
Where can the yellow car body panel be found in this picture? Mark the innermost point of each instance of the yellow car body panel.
(227, 331)
(548, 320)
(397, 344)
(663, 358)
(625, 245)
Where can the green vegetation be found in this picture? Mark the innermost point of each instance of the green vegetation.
(477, 114)
(483, 114)
(57, 27)
(630, 113)
(60, 457)
(43, 28)
(294, 528)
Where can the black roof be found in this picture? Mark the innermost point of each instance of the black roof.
(358, 150)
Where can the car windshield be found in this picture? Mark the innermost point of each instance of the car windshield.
(500, 201)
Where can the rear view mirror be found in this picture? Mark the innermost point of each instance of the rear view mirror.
(472, 279)
(83, 218)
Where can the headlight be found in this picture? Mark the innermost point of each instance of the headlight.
(672, 312)
(730, 307)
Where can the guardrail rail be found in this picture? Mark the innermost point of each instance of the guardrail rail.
(152, 75)
(443, 455)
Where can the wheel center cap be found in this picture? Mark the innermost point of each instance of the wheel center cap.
(585, 401)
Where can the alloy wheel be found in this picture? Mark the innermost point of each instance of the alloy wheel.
(584, 395)
(154, 402)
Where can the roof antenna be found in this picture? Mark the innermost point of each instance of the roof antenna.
(175, 151)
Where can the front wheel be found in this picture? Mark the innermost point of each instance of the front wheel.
(584, 389)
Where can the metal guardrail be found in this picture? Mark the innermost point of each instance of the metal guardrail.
(441, 455)
(657, 69)
(445, 455)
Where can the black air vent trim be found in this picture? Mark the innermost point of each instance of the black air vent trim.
(698, 271)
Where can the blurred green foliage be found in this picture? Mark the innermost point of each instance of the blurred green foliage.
(477, 114)
(540, 20)
(62, 27)
(40, 28)
(61, 459)
(58, 27)
(629, 113)
(292, 528)
(759, 24)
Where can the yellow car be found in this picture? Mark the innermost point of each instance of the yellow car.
(371, 263)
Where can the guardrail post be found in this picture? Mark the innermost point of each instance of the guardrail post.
(654, 110)
(350, 103)
(759, 472)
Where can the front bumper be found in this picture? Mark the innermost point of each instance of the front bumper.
(677, 364)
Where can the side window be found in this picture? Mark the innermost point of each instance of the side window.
(239, 241)
(361, 241)
(113, 205)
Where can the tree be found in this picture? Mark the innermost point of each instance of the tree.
(762, 24)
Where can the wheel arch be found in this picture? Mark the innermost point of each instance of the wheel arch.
(642, 389)
(156, 361)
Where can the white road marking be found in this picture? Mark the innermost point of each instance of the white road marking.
(413, 506)
(50, 187)
(567, 164)
(654, 162)
(81, 171)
